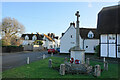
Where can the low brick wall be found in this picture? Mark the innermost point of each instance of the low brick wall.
(11, 49)
(38, 48)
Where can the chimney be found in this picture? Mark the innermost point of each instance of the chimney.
(72, 24)
(63, 34)
(48, 34)
(37, 32)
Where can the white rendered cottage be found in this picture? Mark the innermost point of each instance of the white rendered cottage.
(51, 41)
(48, 40)
(89, 39)
(108, 27)
(28, 39)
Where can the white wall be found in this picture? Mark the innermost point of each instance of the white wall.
(103, 38)
(118, 43)
(112, 50)
(26, 42)
(57, 43)
(91, 43)
(118, 38)
(109, 49)
(104, 50)
(66, 42)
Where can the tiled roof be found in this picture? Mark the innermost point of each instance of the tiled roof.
(49, 38)
(39, 37)
(84, 33)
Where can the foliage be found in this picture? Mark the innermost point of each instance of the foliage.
(11, 29)
(39, 69)
(97, 50)
(12, 46)
(38, 42)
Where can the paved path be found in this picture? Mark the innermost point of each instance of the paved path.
(11, 60)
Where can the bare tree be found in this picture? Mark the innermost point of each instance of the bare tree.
(11, 29)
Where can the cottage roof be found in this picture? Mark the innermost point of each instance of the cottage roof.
(84, 33)
(39, 37)
(49, 38)
(108, 20)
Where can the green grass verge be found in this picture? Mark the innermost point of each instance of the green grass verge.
(39, 69)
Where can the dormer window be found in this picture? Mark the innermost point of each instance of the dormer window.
(26, 37)
(90, 34)
(34, 37)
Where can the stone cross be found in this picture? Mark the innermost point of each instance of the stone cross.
(77, 30)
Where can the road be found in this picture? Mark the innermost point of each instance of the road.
(13, 60)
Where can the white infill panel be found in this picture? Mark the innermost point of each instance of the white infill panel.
(112, 50)
(104, 50)
(103, 38)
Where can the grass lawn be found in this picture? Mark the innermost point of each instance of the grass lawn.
(39, 69)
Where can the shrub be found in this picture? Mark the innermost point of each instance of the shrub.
(97, 50)
(38, 42)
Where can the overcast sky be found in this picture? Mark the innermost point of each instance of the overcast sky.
(45, 17)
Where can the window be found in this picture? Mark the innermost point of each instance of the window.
(119, 49)
(26, 37)
(94, 47)
(34, 37)
(111, 36)
(71, 36)
(90, 34)
(86, 46)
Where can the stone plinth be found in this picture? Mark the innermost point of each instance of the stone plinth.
(78, 54)
(78, 68)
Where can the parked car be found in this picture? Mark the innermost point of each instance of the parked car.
(57, 49)
(52, 50)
